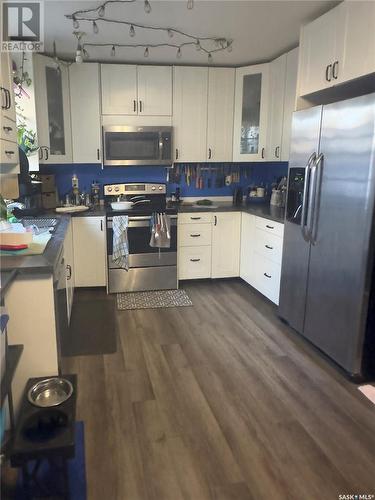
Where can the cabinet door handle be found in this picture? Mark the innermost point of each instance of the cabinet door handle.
(176, 154)
(47, 154)
(270, 227)
(9, 152)
(7, 129)
(195, 218)
(195, 235)
(277, 151)
(335, 72)
(209, 153)
(269, 248)
(195, 260)
(263, 153)
(215, 220)
(69, 269)
(3, 93)
(98, 154)
(101, 225)
(267, 275)
(140, 106)
(8, 100)
(329, 73)
(134, 105)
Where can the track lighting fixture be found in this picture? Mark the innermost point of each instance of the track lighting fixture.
(101, 11)
(113, 51)
(146, 52)
(198, 45)
(170, 33)
(179, 53)
(75, 23)
(210, 59)
(147, 7)
(95, 28)
(190, 4)
(132, 31)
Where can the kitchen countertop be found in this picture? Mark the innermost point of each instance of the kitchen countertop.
(264, 210)
(44, 263)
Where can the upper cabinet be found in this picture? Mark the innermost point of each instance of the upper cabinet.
(250, 113)
(337, 47)
(52, 110)
(276, 108)
(9, 161)
(136, 90)
(289, 101)
(190, 86)
(220, 114)
(85, 112)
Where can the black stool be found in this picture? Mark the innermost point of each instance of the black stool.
(44, 434)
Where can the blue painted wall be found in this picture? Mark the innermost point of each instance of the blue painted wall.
(251, 174)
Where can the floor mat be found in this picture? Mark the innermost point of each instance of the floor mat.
(153, 300)
(92, 326)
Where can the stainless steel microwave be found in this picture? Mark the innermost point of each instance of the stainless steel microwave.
(125, 145)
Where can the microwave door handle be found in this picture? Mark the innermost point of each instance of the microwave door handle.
(161, 146)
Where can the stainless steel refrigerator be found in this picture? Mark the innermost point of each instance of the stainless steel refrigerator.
(328, 256)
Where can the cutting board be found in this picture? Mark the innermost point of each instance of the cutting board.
(36, 247)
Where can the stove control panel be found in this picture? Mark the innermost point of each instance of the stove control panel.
(134, 189)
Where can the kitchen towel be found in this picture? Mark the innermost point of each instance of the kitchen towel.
(120, 253)
(160, 231)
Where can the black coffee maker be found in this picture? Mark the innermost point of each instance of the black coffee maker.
(30, 188)
(237, 196)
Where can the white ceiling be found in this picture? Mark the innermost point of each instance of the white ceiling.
(261, 30)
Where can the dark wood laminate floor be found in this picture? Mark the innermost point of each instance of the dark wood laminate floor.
(220, 401)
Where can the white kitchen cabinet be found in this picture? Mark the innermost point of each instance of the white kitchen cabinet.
(194, 262)
(358, 28)
(119, 89)
(9, 161)
(251, 113)
(69, 266)
(247, 270)
(226, 242)
(85, 112)
(337, 47)
(155, 90)
(276, 108)
(220, 114)
(136, 90)
(89, 248)
(267, 277)
(190, 86)
(52, 104)
(289, 101)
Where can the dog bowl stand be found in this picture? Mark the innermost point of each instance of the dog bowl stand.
(29, 454)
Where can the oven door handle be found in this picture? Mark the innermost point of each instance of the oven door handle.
(139, 218)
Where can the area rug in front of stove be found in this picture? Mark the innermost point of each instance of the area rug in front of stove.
(153, 299)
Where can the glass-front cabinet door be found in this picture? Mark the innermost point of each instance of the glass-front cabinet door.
(52, 110)
(250, 114)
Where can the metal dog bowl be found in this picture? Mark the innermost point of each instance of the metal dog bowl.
(50, 392)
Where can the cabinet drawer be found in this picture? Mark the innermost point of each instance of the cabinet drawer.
(8, 129)
(195, 218)
(269, 226)
(269, 245)
(194, 262)
(193, 235)
(8, 154)
(267, 277)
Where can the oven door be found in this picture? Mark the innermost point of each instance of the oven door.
(140, 252)
(137, 145)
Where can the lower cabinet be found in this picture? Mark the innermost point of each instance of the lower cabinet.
(69, 266)
(89, 244)
(226, 243)
(209, 245)
(261, 253)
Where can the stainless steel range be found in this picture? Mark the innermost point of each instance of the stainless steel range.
(149, 268)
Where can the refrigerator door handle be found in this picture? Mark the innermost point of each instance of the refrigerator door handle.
(317, 188)
(306, 191)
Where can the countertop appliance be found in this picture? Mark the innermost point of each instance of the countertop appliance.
(125, 145)
(328, 256)
(149, 268)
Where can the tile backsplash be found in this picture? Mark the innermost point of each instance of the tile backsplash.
(262, 173)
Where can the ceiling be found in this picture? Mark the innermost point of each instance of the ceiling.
(261, 30)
